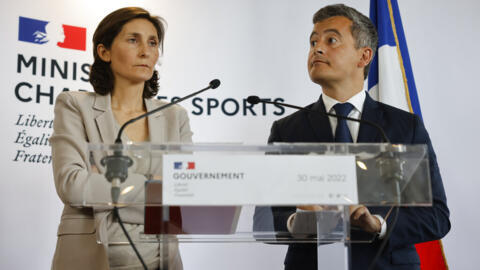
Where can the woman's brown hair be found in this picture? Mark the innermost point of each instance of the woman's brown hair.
(101, 76)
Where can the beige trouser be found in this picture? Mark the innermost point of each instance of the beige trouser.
(122, 257)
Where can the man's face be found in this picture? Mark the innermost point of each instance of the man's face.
(333, 56)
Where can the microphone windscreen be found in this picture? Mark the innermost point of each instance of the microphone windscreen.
(214, 83)
(253, 100)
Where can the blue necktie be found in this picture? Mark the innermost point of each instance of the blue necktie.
(342, 133)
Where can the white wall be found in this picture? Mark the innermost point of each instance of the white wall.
(443, 40)
(254, 47)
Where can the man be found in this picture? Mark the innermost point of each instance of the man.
(342, 46)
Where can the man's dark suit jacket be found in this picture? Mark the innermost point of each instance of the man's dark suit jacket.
(414, 225)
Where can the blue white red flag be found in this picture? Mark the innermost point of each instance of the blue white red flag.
(391, 78)
(391, 81)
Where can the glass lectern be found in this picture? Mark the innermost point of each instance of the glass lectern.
(248, 195)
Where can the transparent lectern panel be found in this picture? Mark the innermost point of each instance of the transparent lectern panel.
(395, 175)
(386, 175)
(131, 165)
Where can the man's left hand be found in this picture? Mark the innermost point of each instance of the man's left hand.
(361, 217)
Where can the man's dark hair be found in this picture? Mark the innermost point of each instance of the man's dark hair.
(101, 76)
(363, 30)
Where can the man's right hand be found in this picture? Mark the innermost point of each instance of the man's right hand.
(310, 207)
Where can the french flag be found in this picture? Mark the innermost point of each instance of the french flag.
(391, 81)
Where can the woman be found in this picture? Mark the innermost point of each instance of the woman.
(126, 48)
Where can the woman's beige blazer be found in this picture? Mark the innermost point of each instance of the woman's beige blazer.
(80, 118)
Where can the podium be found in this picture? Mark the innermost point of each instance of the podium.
(246, 194)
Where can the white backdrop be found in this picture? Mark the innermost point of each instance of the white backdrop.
(254, 47)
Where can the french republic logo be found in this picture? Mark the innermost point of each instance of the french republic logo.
(178, 165)
(42, 32)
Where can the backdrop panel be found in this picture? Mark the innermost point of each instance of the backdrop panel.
(254, 48)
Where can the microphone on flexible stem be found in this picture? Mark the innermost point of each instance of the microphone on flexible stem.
(117, 164)
(212, 85)
(255, 100)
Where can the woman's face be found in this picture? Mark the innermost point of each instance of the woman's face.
(133, 53)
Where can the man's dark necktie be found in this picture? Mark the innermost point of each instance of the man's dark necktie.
(342, 133)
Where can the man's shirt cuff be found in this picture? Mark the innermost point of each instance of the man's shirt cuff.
(383, 230)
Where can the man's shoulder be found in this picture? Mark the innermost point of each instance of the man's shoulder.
(295, 127)
(401, 126)
(394, 110)
(294, 117)
(391, 113)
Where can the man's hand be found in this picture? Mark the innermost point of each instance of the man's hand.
(311, 207)
(361, 217)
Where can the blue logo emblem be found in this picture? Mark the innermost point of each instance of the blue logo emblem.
(32, 30)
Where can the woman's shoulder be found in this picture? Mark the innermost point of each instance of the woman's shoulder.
(77, 96)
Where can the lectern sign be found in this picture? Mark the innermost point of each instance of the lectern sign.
(217, 179)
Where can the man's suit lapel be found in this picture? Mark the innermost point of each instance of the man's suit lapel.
(320, 123)
(156, 123)
(371, 112)
(369, 134)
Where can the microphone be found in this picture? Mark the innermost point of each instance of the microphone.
(255, 100)
(117, 164)
(214, 83)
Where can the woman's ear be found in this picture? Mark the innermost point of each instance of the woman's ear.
(103, 53)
